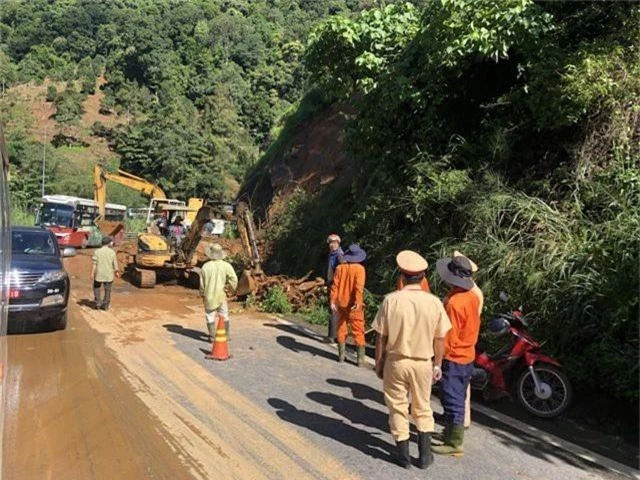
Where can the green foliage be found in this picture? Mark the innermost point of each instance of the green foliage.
(137, 225)
(52, 93)
(69, 105)
(317, 313)
(507, 130)
(344, 54)
(216, 76)
(21, 216)
(276, 301)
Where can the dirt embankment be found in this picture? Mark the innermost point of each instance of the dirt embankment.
(314, 157)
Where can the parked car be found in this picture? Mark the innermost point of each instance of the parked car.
(38, 283)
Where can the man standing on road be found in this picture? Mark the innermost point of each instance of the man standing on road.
(103, 270)
(346, 300)
(411, 325)
(478, 292)
(463, 306)
(215, 275)
(335, 252)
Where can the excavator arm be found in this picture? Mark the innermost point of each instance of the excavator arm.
(190, 242)
(101, 176)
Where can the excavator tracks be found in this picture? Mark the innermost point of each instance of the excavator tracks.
(144, 278)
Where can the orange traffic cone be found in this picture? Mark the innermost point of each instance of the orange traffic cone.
(220, 348)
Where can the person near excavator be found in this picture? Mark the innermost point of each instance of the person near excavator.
(335, 252)
(104, 267)
(463, 308)
(346, 300)
(215, 275)
(177, 230)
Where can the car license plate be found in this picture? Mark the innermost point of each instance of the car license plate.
(14, 293)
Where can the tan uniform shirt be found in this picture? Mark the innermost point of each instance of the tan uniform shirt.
(411, 319)
(106, 263)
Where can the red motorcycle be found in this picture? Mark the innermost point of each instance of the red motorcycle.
(520, 367)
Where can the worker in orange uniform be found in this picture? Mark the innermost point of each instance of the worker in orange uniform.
(477, 291)
(462, 305)
(346, 299)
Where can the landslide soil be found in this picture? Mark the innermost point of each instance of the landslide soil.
(112, 397)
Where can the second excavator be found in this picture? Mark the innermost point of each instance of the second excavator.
(157, 256)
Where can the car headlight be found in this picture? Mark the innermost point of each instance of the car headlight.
(53, 276)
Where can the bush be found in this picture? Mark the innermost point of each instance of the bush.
(88, 86)
(22, 216)
(316, 313)
(52, 93)
(276, 301)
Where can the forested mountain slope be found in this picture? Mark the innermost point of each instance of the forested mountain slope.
(199, 84)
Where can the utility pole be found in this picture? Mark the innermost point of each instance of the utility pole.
(44, 156)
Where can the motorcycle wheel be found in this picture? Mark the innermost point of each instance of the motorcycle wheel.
(554, 396)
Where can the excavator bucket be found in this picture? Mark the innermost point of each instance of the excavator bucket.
(246, 284)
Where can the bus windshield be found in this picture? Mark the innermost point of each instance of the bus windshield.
(55, 214)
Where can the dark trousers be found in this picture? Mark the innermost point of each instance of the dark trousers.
(455, 380)
(333, 324)
(97, 293)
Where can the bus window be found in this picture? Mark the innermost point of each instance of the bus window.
(55, 214)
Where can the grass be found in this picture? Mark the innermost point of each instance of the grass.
(22, 217)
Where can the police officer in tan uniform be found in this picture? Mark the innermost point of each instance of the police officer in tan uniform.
(411, 326)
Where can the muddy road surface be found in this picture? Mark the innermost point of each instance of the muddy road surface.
(128, 394)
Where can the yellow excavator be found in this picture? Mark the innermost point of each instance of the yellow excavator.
(156, 256)
(158, 198)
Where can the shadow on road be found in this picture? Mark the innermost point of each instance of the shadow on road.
(187, 332)
(352, 410)
(294, 345)
(294, 329)
(85, 302)
(338, 430)
(359, 391)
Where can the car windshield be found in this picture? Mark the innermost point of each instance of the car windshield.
(32, 243)
(54, 214)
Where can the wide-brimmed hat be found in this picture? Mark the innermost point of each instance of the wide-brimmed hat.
(474, 267)
(215, 252)
(411, 263)
(456, 271)
(354, 254)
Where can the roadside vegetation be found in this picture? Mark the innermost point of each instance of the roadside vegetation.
(509, 131)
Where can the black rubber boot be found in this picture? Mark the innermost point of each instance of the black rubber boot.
(424, 448)
(403, 458)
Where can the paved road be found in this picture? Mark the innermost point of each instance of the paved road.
(128, 394)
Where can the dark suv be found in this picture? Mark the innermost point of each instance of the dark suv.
(38, 282)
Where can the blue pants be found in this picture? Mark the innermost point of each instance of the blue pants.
(455, 380)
